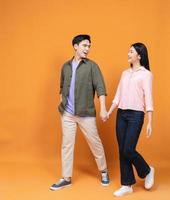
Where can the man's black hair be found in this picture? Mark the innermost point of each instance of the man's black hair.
(77, 39)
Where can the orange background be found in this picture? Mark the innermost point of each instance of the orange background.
(35, 40)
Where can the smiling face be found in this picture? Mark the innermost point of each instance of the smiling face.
(133, 56)
(82, 49)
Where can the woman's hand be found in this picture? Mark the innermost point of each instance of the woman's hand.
(149, 130)
(149, 125)
(108, 115)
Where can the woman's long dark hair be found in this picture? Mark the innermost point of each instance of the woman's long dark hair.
(142, 51)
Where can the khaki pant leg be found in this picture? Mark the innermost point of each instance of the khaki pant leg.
(69, 128)
(89, 129)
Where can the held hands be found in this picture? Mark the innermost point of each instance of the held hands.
(103, 115)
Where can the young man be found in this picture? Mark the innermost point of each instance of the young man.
(80, 79)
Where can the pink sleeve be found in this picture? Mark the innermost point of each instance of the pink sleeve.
(116, 99)
(147, 86)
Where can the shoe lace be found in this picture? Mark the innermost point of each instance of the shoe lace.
(104, 176)
(61, 180)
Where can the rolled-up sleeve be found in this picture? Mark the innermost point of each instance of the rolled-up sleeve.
(98, 81)
(117, 96)
(147, 87)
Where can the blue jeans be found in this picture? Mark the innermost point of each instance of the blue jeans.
(128, 127)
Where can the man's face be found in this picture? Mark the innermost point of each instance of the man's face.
(82, 49)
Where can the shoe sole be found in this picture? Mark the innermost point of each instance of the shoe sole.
(105, 184)
(123, 194)
(59, 188)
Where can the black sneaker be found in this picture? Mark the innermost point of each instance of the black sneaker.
(105, 179)
(60, 184)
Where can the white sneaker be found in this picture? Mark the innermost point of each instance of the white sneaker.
(123, 190)
(149, 180)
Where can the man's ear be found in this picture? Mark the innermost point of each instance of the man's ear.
(75, 46)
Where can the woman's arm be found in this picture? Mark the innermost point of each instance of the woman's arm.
(112, 107)
(149, 125)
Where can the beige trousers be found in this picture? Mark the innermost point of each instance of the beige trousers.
(89, 129)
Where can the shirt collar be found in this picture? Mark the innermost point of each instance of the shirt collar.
(138, 69)
(84, 60)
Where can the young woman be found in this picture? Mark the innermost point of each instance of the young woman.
(133, 97)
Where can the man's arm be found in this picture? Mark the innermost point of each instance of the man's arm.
(99, 85)
(103, 112)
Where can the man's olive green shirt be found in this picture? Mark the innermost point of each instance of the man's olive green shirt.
(88, 80)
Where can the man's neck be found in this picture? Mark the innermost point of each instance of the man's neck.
(77, 59)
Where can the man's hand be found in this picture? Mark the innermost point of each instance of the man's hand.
(103, 115)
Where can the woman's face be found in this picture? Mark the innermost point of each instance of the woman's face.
(133, 56)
